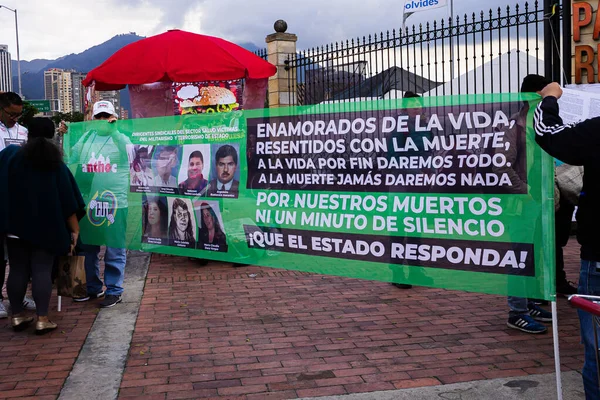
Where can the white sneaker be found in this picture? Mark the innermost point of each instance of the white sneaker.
(3, 313)
(29, 304)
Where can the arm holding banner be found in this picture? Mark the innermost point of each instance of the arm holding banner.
(572, 144)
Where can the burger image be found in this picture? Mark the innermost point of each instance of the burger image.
(213, 99)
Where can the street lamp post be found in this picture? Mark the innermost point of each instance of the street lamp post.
(18, 55)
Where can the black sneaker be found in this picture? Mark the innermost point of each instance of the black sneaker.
(539, 314)
(566, 288)
(110, 300)
(91, 296)
(525, 323)
(402, 285)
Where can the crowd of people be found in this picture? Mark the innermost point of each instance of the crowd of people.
(40, 208)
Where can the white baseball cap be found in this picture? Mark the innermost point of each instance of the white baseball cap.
(103, 106)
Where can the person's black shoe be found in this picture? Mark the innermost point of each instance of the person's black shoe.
(402, 285)
(566, 288)
(237, 265)
(199, 261)
(91, 296)
(110, 300)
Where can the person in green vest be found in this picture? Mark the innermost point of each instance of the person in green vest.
(102, 172)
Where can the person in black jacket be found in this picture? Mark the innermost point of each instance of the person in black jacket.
(40, 206)
(578, 144)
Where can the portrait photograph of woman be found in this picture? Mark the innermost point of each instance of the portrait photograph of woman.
(140, 172)
(212, 236)
(155, 223)
(182, 223)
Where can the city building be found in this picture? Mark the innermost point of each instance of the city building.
(78, 91)
(5, 69)
(58, 88)
(124, 113)
(114, 96)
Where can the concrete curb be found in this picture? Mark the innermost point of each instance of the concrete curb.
(99, 368)
(532, 387)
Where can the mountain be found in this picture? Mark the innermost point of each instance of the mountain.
(249, 46)
(32, 81)
(30, 66)
(32, 72)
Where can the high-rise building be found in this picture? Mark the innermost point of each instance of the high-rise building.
(124, 113)
(51, 88)
(58, 88)
(114, 96)
(78, 91)
(5, 69)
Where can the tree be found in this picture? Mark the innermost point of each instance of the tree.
(28, 112)
(67, 117)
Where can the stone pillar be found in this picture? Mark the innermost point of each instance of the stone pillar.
(280, 46)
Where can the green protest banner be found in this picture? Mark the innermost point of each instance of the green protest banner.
(447, 192)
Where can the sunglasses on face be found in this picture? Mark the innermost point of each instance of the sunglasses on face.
(12, 115)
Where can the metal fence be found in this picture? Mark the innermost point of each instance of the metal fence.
(487, 52)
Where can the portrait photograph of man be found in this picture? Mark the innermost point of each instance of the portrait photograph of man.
(226, 174)
(195, 167)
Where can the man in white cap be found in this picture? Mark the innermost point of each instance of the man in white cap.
(103, 178)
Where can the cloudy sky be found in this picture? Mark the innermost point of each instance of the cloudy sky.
(51, 29)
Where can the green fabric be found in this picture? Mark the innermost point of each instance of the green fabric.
(507, 232)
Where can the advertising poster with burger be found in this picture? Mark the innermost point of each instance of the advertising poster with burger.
(207, 97)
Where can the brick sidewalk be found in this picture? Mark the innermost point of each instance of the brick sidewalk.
(37, 366)
(220, 331)
(259, 333)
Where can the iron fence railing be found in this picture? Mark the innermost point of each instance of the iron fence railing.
(487, 52)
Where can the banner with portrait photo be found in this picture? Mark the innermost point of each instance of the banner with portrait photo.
(448, 192)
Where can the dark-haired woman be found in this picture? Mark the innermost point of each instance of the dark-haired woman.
(211, 234)
(180, 227)
(40, 205)
(156, 219)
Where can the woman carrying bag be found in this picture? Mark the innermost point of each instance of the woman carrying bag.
(40, 205)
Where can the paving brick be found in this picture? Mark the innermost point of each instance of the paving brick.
(41, 383)
(48, 390)
(322, 391)
(281, 395)
(506, 373)
(457, 378)
(10, 394)
(154, 389)
(128, 383)
(369, 387)
(193, 394)
(404, 384)
(239, 390)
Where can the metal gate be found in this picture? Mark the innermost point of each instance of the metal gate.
(487, 52)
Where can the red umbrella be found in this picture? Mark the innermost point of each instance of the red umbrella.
(178, 56)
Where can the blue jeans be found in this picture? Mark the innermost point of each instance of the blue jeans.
(518, 306)
(114, 269)
(589, 283)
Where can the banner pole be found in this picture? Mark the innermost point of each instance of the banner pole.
(59, 303)
(556, 351)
